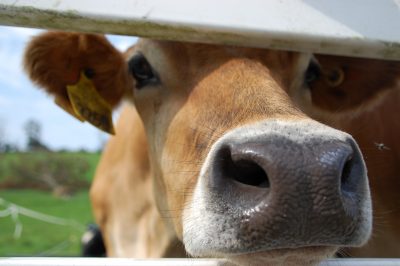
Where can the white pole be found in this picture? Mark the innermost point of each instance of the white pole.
(168, 262)
(363, 28)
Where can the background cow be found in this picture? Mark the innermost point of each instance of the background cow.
(237, 170)
(364, 104)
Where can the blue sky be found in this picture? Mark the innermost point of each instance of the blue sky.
(21, 101)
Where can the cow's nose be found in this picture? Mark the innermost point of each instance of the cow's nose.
(265, 164)
(308, 192)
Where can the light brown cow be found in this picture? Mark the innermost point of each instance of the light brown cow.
(363, 104)
(237, 169)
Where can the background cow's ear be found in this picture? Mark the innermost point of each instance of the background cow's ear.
(54, 60)
(351, 84)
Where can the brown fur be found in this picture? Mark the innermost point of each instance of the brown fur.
(179, 133)
(363, 81)
(124, 175)
(377, 132)
(54, 60)
(364, 104)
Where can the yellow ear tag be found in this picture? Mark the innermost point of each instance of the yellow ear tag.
(66, 106)
(88, 104)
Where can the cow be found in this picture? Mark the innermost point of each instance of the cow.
(370, 123)
(363, 104)
(218, 151)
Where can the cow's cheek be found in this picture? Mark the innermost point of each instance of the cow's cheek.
(180, 161)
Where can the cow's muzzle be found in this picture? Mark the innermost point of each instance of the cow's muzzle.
(284, 185)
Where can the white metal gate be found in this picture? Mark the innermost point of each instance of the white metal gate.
(364, 28)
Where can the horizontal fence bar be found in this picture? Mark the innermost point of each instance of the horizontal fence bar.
(105, 262)
(363, 28)
(60, 261)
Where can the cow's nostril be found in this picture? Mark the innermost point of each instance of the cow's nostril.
(249, 173)
(346, 172)
(244, 171)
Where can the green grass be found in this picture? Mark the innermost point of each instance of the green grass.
(39, 238)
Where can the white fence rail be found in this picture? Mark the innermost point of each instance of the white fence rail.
(365, 28)
(169, 262)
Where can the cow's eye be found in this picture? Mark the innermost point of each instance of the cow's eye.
(335, 77)
(142, 71)
(313, 72)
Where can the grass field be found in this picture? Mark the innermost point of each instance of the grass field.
(39, 238)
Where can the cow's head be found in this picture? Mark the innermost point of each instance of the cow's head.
(245, 174)
(338, 86)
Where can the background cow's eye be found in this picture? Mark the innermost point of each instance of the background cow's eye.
(335, 77)
(141, 70)
(313, 72)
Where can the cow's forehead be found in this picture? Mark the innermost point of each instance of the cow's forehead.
(183, 64)
(205, 53)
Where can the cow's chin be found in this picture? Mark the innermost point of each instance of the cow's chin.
(306, 256)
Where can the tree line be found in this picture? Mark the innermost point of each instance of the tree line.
(32, 129)
(33, 134)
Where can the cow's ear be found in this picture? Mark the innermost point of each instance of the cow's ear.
(74, 67)
(343, 84)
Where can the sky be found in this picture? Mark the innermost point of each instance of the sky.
(21, 101)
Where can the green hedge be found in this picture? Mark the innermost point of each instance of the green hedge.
(47, 170)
